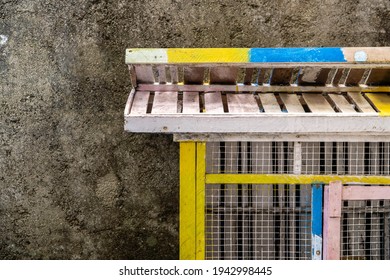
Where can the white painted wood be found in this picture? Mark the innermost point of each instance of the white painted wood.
(317, 103)
(164, 103)
(265, 123)
(213, 103)
(191, 103)
(268, 137)
(197, 86)
(129, 101)
(242, 103)
(140, 103)
(291, 102)
(361, 102)
(297, 158)
(342, 103)
(269, 102)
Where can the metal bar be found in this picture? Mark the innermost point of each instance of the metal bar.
(292, 179)
(187, 201)
(200, 200)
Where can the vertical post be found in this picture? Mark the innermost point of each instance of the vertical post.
(187, 200)
(316, 221)
(332, 220)
(200, 200)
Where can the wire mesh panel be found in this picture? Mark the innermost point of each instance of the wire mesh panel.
(258, 221)
(338, 158)
(346, 158)
(365, 231)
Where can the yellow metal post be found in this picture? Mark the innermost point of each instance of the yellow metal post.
(200, 200)
(187, 200)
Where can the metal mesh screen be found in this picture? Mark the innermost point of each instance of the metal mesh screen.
(349, 158)
(365, 231)
(258, 222)
(339, 158)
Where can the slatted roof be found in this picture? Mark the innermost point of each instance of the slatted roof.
(301, 90)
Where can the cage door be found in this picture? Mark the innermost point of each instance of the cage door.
(356, 222)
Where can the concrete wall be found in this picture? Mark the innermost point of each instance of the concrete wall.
(73, 185)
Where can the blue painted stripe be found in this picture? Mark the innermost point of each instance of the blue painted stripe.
(296, 55)
(316, 210)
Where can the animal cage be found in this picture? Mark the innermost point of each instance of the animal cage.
(284, 153)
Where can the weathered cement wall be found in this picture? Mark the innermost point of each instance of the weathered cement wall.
(73, 185)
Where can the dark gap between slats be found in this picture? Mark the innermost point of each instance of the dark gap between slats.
(337, 76)
(180, 102)
(250, 201)
(224, 102)
(287, 203)
(322, 157)
(201, 102)
(281, 103)
(350, 101)
(150, 102)
(303, 103)
(297, 222)
(332, 103)
(259, 104)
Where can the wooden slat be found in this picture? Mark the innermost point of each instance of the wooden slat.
(342, 103)
(242, 103)
(361, 102)
(213, 103)
(162, 75)
(248, 76)
(292, 103)
(337, 76)
(174, 74)
(313, 76)
(354, 77)
(269, 102)
(366, 193)
(193, 75)
(379, 77)
(223, 75)
(381, 102)
(281, 76)
(164, 103)
(140, 103)
(144, 74)
(317, 103)
(332, 217)
(191, 103)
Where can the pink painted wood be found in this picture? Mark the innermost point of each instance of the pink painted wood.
(366, 193)
(332, 218)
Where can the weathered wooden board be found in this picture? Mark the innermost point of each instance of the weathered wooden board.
(354, 77)
(140, 103)
(281, 76)
(342, 103)
(361, 102)
(213, 103)
(164, 103)
(193, 75)
(270, 103)
(379, 77)
(191, 103)
(223, 75)
(242, 103)
(144, 74)
(313, 76)
(292, 103)
(317, 103)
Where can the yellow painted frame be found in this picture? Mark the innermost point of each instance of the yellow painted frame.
(193, 180)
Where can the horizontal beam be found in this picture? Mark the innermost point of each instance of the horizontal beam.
(292, 179)
(258, 55)
(263, 137)
(365, 193)
(358, 123)
(261, 88)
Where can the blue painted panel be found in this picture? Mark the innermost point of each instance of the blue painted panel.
(296, 55)
(316, 220)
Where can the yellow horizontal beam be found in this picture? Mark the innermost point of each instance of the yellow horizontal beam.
(292, 179)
